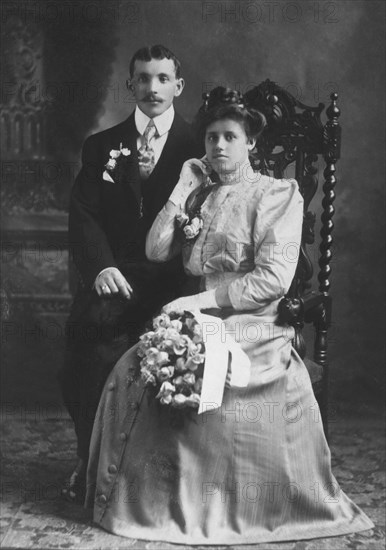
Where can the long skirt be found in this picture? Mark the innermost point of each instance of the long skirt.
(257, 469)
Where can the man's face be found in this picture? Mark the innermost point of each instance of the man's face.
(154, 85)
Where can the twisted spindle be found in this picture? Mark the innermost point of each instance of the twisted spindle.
(331, 142)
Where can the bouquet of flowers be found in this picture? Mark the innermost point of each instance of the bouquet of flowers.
(172, 359)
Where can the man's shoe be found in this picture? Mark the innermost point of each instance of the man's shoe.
(75, 487)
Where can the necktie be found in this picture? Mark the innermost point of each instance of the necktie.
(146, 158)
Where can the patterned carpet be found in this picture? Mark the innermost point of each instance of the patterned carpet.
(37, 454)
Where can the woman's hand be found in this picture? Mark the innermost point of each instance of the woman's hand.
(195, 170)
(197, 302)
(193, 174)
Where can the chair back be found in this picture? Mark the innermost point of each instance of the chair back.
(294, 139)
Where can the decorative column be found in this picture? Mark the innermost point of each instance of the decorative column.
(22, 105)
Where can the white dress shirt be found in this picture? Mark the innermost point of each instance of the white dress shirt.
(162, 123)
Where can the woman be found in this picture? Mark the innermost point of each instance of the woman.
(257, 468)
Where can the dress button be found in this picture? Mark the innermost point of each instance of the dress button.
(102, 499)
(112, 469)
(134, 405)
(122, 436)
(111, 386)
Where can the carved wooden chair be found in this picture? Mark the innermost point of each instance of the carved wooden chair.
(296, 136)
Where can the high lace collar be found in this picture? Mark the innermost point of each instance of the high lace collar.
(241, 173)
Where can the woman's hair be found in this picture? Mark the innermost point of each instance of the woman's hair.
(225, 103)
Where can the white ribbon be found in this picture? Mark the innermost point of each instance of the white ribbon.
(217, 353)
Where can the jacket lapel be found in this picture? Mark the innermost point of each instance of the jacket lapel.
(129, 140)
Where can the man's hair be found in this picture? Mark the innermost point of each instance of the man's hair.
(155, 52)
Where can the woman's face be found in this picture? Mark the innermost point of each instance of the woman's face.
(227, 145)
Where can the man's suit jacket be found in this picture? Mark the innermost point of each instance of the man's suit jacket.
(108, 221)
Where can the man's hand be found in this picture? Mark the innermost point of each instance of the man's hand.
(111, 281)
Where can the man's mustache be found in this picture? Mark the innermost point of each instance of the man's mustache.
(151, 99)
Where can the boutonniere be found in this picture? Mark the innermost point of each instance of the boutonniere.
(117, 164)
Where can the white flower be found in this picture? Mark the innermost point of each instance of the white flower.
(196, 223)
(191, 366)
(147, 377)
(172, 337)
(141, 350)
(165, 373)
(158, 336)
(193, 362)
(125, 152)
(167, 399)
(176, 324)
(189, 378)
(162, 321)
(163, 358)
(178, 382)
(193, 400)
(180, 365)
(190, 322)
(193, 228)
(156, 357)
(166, 390)
(114, 153)
(178, 400)
(193, 349)
(197, 331)
(146, 366)
(145, 343)
(182, 219)
(111, 164)
(181, 343)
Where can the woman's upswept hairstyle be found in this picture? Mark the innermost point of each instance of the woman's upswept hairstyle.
(223, 103)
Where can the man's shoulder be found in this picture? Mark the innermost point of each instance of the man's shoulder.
(116, 130)
(183, 132)
(180, 124)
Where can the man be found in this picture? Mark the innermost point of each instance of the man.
(127, 175)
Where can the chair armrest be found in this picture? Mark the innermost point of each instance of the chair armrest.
(317, 307)
(313, 307)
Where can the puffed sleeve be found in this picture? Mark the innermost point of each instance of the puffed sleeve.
(277, 238)
(161, 243)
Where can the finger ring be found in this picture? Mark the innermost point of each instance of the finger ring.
(104, 287)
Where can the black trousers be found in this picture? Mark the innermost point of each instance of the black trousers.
(99, 330)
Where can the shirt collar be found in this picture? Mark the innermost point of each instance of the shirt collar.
(162, 122)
